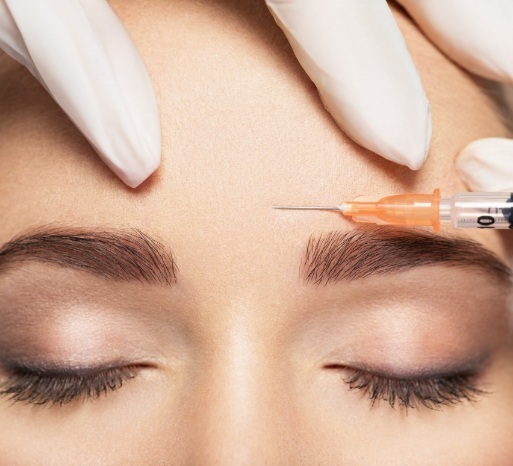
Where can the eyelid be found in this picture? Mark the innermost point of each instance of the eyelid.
(64, 369)
(476, 366)
(428, 392)
(427, 388)
(41, 384)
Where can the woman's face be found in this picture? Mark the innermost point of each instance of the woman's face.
(214, 329)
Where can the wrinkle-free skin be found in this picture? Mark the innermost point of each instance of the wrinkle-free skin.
(240, 361)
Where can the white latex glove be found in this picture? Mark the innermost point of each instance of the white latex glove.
(487, 165)
(84, 57)
(355, 54)
(477, 34)
(351, 49)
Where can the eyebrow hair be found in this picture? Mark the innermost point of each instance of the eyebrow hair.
(116, 254)
(356, 254)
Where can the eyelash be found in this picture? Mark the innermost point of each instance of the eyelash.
(431, 393)
(39, 388)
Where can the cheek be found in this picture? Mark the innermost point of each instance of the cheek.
(117, 430)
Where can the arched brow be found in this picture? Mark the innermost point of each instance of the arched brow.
(351, 255)
(115, 254)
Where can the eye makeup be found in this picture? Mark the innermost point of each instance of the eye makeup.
(66, 338)
(430, 387)
(60, 385)
(425, 392)
(429, 342)
(70, 348)
(51, 315)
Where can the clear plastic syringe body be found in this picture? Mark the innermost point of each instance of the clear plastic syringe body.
(478, 210)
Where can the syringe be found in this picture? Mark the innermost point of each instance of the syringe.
(463, 210)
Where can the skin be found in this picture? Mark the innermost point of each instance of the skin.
(238, 348)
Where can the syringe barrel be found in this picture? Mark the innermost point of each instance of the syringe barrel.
(478, 210)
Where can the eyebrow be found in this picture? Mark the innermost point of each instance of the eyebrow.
(346, 256)
(120, 255)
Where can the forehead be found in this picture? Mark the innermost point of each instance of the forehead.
(243, 129)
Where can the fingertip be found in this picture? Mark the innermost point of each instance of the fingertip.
(134, 176)
(487, 165)
(134, 164)
(136, 169)
(420, 151)
(402, 136)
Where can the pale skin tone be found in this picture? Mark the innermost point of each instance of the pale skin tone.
(238, 360)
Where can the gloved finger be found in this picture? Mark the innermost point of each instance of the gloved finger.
(487, 165)
(83, 55)
(11, 40)
(477, 34)
(355, 54)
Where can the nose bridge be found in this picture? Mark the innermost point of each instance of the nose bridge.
(238, 420)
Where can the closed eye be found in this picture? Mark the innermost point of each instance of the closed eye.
(51, 386)
(414, 393)
(424, 391)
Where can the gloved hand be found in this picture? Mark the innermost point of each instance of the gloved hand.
(477, 34)
(487, 165)
(355, 54)
(84, 57)
(352, 50)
